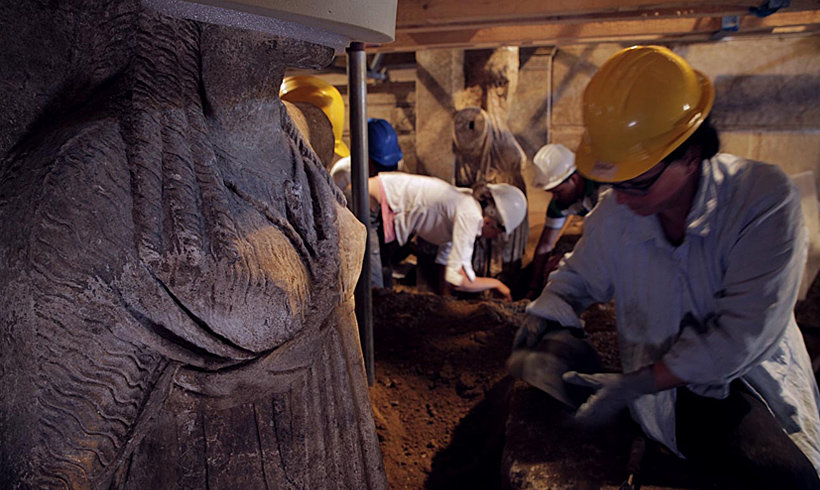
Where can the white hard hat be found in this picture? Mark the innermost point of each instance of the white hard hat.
(511, 204)
(553, 164)
(340, 172)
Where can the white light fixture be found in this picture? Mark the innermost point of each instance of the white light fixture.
(334, 23)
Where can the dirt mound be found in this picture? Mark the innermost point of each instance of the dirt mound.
(442, 394)
(440, 388)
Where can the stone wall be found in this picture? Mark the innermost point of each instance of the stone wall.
(766, 107)
(767, 103)
(439, 76)
(395, 102)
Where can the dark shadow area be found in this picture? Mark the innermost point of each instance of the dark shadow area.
(473, 457)
(439, 391)
(545, 444)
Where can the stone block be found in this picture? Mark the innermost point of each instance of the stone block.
(529, 108)
(440, 73)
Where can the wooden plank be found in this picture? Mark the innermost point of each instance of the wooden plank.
(659, 30)
(418, 14)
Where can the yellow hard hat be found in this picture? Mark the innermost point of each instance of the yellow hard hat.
(638, 107)
(318, 92)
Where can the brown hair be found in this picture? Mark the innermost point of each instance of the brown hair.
(705, 137)
(482, 194)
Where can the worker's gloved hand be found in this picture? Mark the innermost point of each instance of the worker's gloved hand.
(613, 392)
(530, 333)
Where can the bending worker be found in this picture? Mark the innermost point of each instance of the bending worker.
(448, 217)
(384, 155)
(572, 195)
(702, 253)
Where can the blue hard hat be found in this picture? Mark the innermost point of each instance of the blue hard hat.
(383, 144)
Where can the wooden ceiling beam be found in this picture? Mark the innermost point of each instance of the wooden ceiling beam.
(661, 29)
(419, 15)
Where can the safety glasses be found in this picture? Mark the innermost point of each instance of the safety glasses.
(640, 187)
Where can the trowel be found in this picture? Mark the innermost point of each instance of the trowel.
(557, 352)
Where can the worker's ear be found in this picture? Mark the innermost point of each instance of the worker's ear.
(692, 159)
(481, 192)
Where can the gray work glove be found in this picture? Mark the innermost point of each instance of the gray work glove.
(613, 392)
(529, 333)
(534, 328)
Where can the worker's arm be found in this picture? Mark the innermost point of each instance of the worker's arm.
(664, 379)
(753, 310)
(374, 189)
(549, 237)
(614, 391)
(583, 279)
(766, 249)
(479, 284)
(553, 229)
(458, 253)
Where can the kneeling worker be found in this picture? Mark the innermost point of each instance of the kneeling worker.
(448, 217)
(572, 195)
(702, 253)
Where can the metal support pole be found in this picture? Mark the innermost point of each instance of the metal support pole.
(357, 93)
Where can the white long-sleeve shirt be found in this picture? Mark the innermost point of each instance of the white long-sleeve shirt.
(439, 213)
(736, 272)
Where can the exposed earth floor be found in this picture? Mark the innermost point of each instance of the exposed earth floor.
(448, 415)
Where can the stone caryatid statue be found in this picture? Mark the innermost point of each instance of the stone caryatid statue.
(486, 151)
(176, 267)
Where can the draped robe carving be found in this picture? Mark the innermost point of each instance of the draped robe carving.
(177, 268)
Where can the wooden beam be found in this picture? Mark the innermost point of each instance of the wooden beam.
(416, 15)
(576, 19)
(557, 33)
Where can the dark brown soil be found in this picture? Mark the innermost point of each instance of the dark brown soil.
(441, 390)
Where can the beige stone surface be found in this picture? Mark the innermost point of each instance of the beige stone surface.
(755, 56)
(440, 73)
(491, 80)
(529, 108)
(569, 136)
(315, 128)
(395, 103)
(793, 151)
(571, 70)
